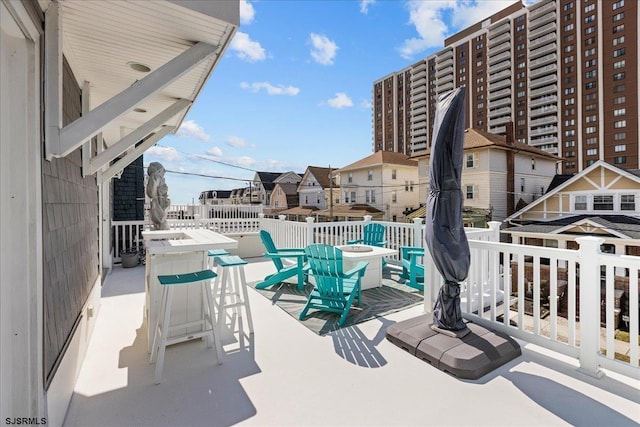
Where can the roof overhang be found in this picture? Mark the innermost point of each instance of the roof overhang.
(107, 44)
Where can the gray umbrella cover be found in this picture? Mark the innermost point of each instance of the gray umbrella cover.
(444, 230)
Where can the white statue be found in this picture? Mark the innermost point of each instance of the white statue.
(158, 192)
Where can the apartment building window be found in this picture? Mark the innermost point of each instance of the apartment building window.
(570, 154)
(520, 46)
(580, 203)
(592, 152)
(568, 59)
(590, 119)
(590, 85)
(589, 8)
(568, 38)
(571, 122)
(590, 97)
(568, 17)
(618, 40)
(569, 90)
(393, 173)
(590, 52)
(570, 165)
(591, 107)
(350, 177)
(618, 4)
(590, 129)
(589, 63)
(569, 111)
(619, 88)
(618, 16)
(618, 28)
(569, 101)
(521, 93)
(567, 6)
(618, 76)
(570, 132)
(603, 203)
(620, 148)
(627, 202)
(620, 136)
(519, 28)
(369, 175)
(568, 27)
(570, 143)
(620, 124)
(394, 196)
(619, 64)
(592, 140)
(589, 41)
(469, 192)
(589, 19)
(619, 112)
(618, 52)
(590, 74)
(589, 30)
(590, 162)
(620, 160)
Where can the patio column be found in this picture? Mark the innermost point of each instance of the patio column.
(589, 254)
(417, 233)
(494, 226)
(310, 237)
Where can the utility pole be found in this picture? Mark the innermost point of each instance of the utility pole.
(330, 193)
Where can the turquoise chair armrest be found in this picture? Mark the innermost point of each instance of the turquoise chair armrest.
(359, 268)
(353, 242)
(285, 255)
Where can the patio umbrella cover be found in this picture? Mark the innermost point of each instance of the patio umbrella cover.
(444, 231)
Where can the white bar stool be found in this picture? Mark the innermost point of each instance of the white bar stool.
(161, 337)
(231, 283)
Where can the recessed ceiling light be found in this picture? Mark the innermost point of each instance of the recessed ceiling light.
(139, 67)
(139, 110)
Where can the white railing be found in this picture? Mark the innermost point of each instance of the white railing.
(214, 211)
(550, 297)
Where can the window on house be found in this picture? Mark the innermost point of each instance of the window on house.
(353, 197)
(602, 203)
(350, 178)
(620, 160)
(470, 162)
(393, 174)
(592, 152)
(369, 175)
(522, 184)
(346, 197)
(627, 202)
(411, 186)
(469, 192)
(580, 203)
(533, 164)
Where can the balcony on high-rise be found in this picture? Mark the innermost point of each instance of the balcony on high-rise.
(551, 26)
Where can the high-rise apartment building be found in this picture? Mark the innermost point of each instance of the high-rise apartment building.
(565, 72)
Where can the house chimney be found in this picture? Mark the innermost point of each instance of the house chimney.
(510, 133)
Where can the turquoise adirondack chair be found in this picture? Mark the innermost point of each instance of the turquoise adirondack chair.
(372, 234)
(283, 272)
(335, 289)
(412, 270)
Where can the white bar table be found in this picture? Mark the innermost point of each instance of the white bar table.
(353, 254)
(177, 252)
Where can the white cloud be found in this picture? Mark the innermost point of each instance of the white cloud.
(190, 129)
(247, 49)
(270, 89)
(167, 154)
(364, 5)
(428, 19)
(245, 161)
(247, 12)
(323, 49)
(365, 104)
(236, 141)
(341, 100)
(215, 151)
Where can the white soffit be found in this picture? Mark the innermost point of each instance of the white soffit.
(101, 38)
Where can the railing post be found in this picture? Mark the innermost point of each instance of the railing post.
(196, 221)
(310, 237)
(417, 229)
(494, 226)
(589, 304)
(367, 219)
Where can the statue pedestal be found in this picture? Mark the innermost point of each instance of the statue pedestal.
(471, 356)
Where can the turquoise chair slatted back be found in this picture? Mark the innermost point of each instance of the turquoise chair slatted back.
(373, 234)
(267, 241)
(327, 266)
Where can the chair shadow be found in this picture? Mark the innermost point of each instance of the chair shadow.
(352, 345)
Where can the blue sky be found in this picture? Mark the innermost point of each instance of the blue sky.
(294, 87)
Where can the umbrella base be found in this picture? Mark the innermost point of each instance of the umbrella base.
(453, 334)
(469, 357)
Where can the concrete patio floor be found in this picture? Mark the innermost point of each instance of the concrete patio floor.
(288, 376)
